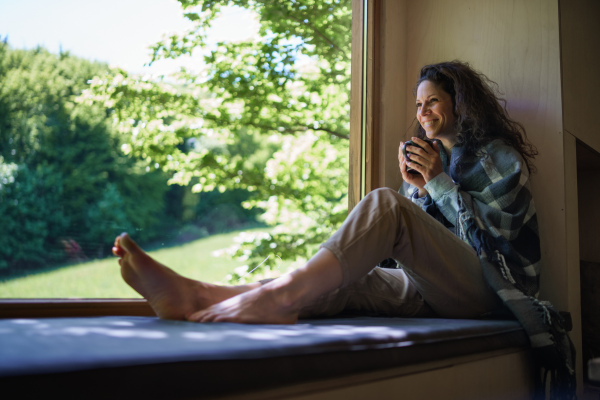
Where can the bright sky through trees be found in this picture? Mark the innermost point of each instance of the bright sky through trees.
(118, 32)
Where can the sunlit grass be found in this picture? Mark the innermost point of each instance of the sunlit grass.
(102, 278)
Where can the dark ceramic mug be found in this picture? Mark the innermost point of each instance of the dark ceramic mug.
(404, 152)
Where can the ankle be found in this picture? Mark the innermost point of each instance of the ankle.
(286, 293)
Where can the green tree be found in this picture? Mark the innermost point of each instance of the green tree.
(62, 172)
(290, 87)
(31, 213)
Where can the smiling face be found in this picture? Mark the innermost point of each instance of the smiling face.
(435, 113)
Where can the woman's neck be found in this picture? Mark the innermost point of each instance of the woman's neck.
(448, 145)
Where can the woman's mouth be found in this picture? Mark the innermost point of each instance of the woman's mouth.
(427, 124)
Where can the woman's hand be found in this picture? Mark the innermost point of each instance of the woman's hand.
(430, 164)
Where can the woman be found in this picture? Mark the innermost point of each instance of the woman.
(466, 240)
(473, 179)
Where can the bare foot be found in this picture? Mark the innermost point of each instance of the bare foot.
(264, 305)
(279, 301)
(170, 295)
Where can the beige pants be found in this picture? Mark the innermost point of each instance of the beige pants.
(440, 275)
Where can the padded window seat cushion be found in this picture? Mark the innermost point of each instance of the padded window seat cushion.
(111, 353)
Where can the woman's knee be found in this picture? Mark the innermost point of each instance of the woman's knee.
(386, 197)
(383, 191)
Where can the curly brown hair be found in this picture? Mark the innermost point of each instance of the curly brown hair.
(480, 112)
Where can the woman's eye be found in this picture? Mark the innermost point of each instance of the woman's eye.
(418, 105)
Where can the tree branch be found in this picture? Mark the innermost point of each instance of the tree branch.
(290, 130)
(302, 128)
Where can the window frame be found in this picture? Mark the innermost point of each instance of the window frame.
(364, 130)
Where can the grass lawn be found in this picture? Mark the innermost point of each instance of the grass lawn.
(102, 278)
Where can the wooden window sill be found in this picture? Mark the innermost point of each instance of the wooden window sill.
(45, 308)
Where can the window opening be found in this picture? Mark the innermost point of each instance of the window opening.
(220, 139)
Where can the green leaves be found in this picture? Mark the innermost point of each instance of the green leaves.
(31, 214)
(269, 115)
(192, 16)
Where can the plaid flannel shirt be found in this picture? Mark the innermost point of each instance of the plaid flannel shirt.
(486, 201)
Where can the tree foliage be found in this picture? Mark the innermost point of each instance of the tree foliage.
(288, 88)
(62, 174)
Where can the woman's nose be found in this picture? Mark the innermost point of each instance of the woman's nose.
(424, 110)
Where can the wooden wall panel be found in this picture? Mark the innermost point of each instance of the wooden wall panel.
(588, 191)
(516, 44)
(571, 298)
(393, 86)
(580, 32)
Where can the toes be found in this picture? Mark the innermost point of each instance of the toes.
(195, 317)
(127, 244)
(118, 251)
(200, 316)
